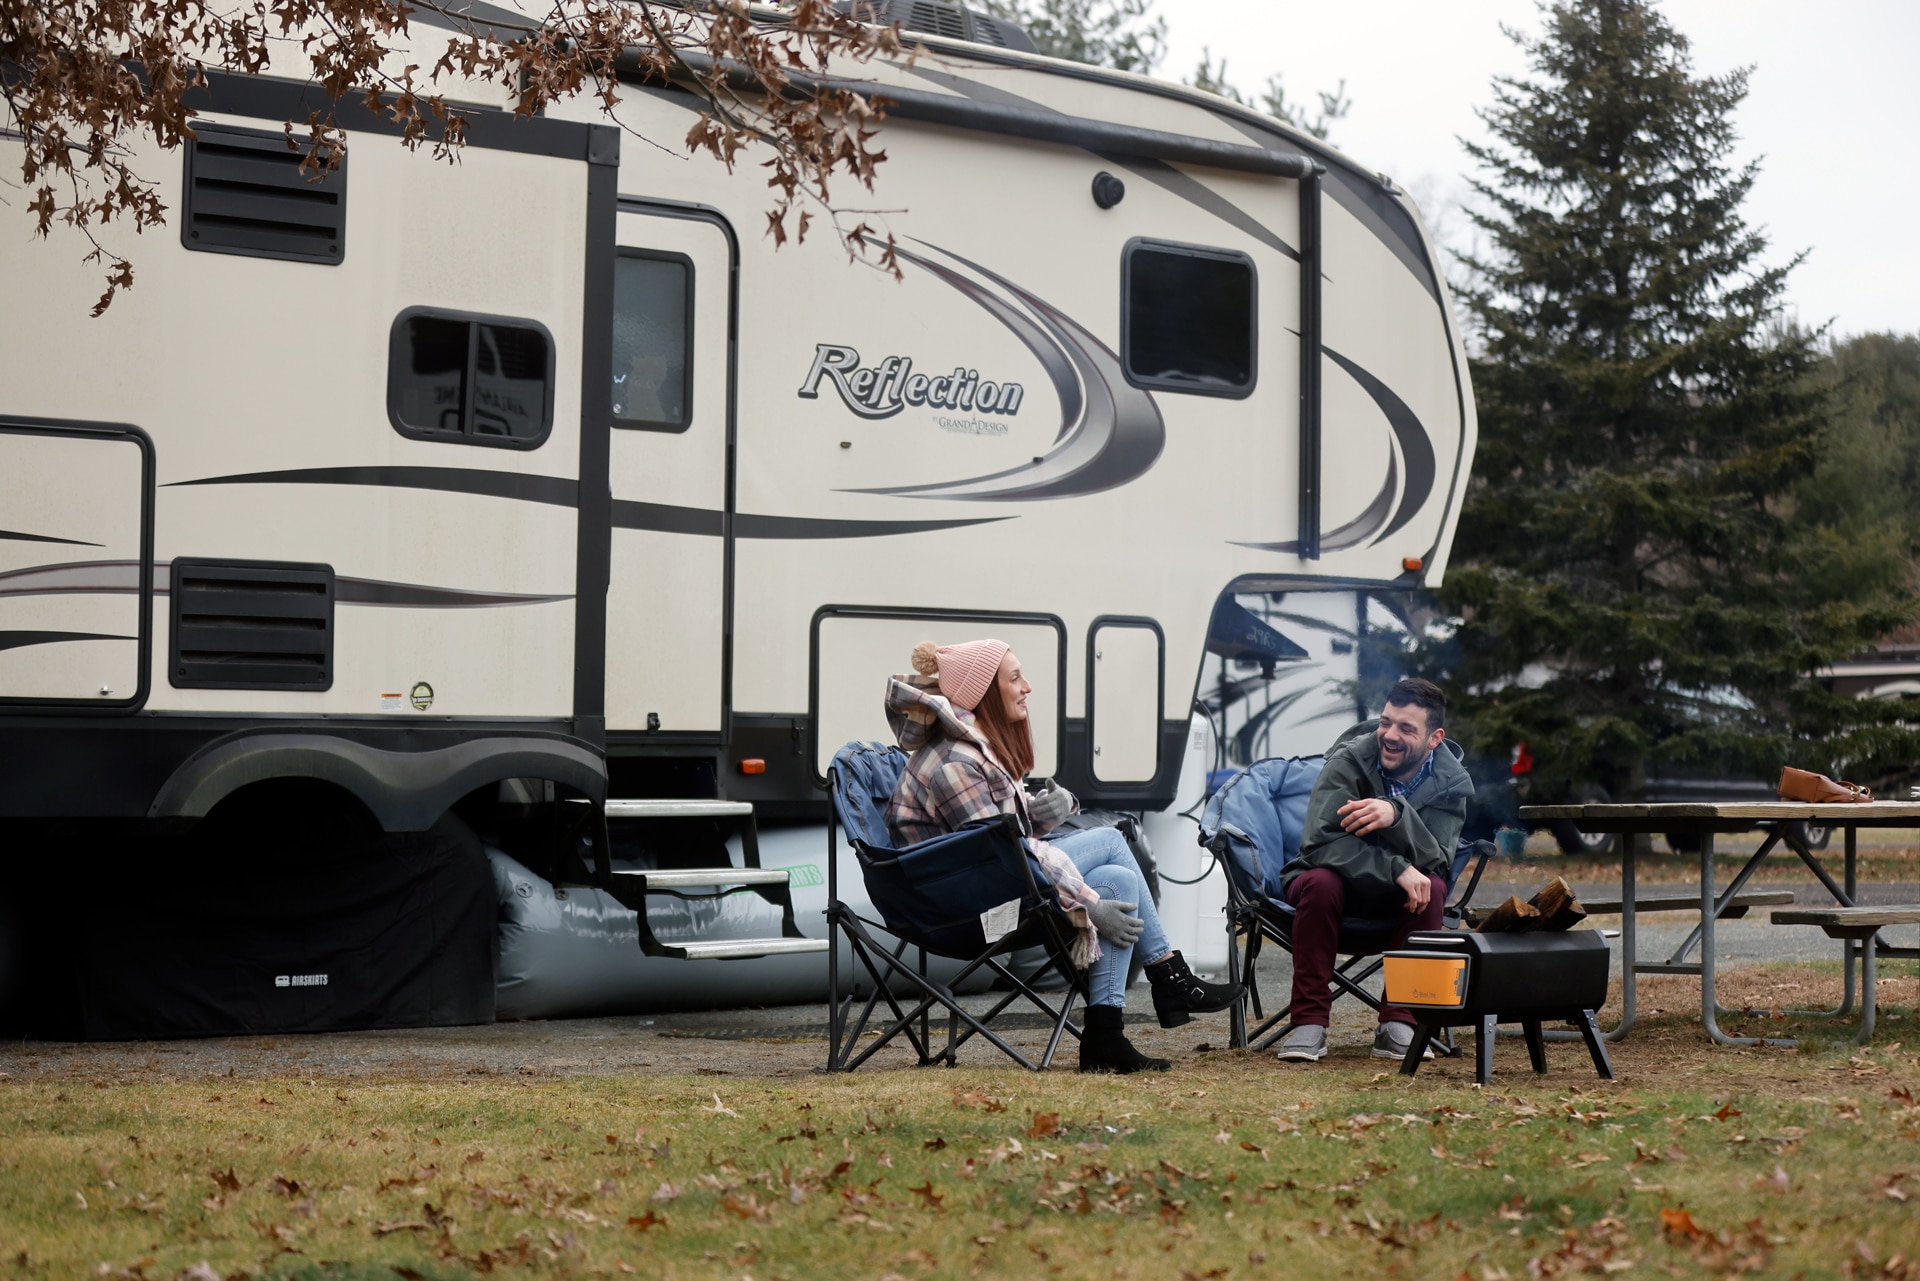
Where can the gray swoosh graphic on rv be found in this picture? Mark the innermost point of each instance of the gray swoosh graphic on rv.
(16, 536)
(20, 640)
(1158, 172)
(122, 577)
(1059, 369)
(1414, 445)
(557, 491)
(1199, 194)
(1372, 207)
(1116, 439)
(1355, 531)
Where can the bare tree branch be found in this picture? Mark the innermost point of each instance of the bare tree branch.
(86, 81)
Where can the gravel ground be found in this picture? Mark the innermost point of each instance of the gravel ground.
(789, 1040)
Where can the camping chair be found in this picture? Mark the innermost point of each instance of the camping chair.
(1253, 826)
(932, 896)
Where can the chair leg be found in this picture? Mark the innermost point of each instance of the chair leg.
(1596, 1047)
(1484, 1038)
(1536, 1044)
(1422, 1036)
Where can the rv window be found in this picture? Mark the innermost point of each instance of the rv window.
(483, 380)
(652, 329)
(1187, 319)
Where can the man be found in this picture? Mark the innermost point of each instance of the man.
(1381, 827)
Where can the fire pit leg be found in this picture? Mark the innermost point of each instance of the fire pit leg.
(1536, 1044)
(1422, 1036)
(1484, 1036)
(1590, 1032)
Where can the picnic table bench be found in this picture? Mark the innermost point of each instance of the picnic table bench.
(1859, 924)
(1735, 906)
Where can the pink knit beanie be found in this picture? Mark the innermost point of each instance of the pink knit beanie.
(966, 671)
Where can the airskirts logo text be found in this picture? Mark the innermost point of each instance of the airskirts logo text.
(883, 390)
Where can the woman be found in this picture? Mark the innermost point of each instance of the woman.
(963, 715)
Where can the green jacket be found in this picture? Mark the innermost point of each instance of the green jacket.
(1426, 826)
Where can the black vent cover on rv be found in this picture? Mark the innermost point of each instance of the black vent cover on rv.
(245, 194)
(240, 624)
(941, 18)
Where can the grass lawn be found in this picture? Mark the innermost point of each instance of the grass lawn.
(1698, 1162)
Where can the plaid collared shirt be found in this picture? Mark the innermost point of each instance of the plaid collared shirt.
(1396, 788)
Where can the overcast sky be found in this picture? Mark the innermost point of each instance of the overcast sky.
(1833, 112)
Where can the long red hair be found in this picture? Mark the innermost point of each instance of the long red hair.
(1011, 740)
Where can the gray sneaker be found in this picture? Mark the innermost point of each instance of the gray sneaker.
(1393, 1040)
(1304, 1044)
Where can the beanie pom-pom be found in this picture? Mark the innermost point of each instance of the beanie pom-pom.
(926, 658)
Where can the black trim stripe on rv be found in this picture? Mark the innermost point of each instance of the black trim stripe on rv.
(122, 578)
(1040, 125)
(273, 98)
(559, 492)
(10, 535)
(20, 640)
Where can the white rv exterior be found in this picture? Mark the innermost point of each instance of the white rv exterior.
(669, 499)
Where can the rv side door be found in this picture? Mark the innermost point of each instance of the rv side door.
(667, 597)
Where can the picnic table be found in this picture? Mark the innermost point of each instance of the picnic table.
(1785, 823)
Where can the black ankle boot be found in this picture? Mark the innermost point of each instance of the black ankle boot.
(1177, 993)
(1105, 1048)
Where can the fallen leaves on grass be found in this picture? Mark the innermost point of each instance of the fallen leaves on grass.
(419, 1177)
(1043, 1125)
(643, 1222)
(1680, 1224)
(978, 1099)
(1598, 1250)
(745, 1205)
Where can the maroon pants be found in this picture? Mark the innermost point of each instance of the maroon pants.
(1319, 898)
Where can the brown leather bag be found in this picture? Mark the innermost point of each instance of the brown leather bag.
(1818, 789)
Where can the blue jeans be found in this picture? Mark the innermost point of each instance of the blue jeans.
(1107, 866)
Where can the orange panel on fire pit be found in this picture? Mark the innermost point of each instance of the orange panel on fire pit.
(1433, 981)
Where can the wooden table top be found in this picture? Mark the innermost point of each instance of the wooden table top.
(1673, 816)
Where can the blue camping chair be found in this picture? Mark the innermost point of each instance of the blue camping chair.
(931, 897)
(1253, 826)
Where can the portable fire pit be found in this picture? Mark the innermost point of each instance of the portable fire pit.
(1449, 978)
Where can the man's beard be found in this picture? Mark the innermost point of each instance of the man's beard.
(1409, 765)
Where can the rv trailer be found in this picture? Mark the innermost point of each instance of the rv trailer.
(541, 486)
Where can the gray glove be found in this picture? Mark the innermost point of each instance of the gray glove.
(1050, 805)
(1116, 922)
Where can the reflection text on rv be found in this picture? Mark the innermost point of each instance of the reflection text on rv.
(881, 391)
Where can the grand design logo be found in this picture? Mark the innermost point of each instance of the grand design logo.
(883, 390)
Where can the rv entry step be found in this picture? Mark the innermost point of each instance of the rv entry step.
(686, 877)
(633, 886)
(679, 809)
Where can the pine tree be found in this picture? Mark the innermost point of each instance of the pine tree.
(1212, 76)
(1632, 587)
